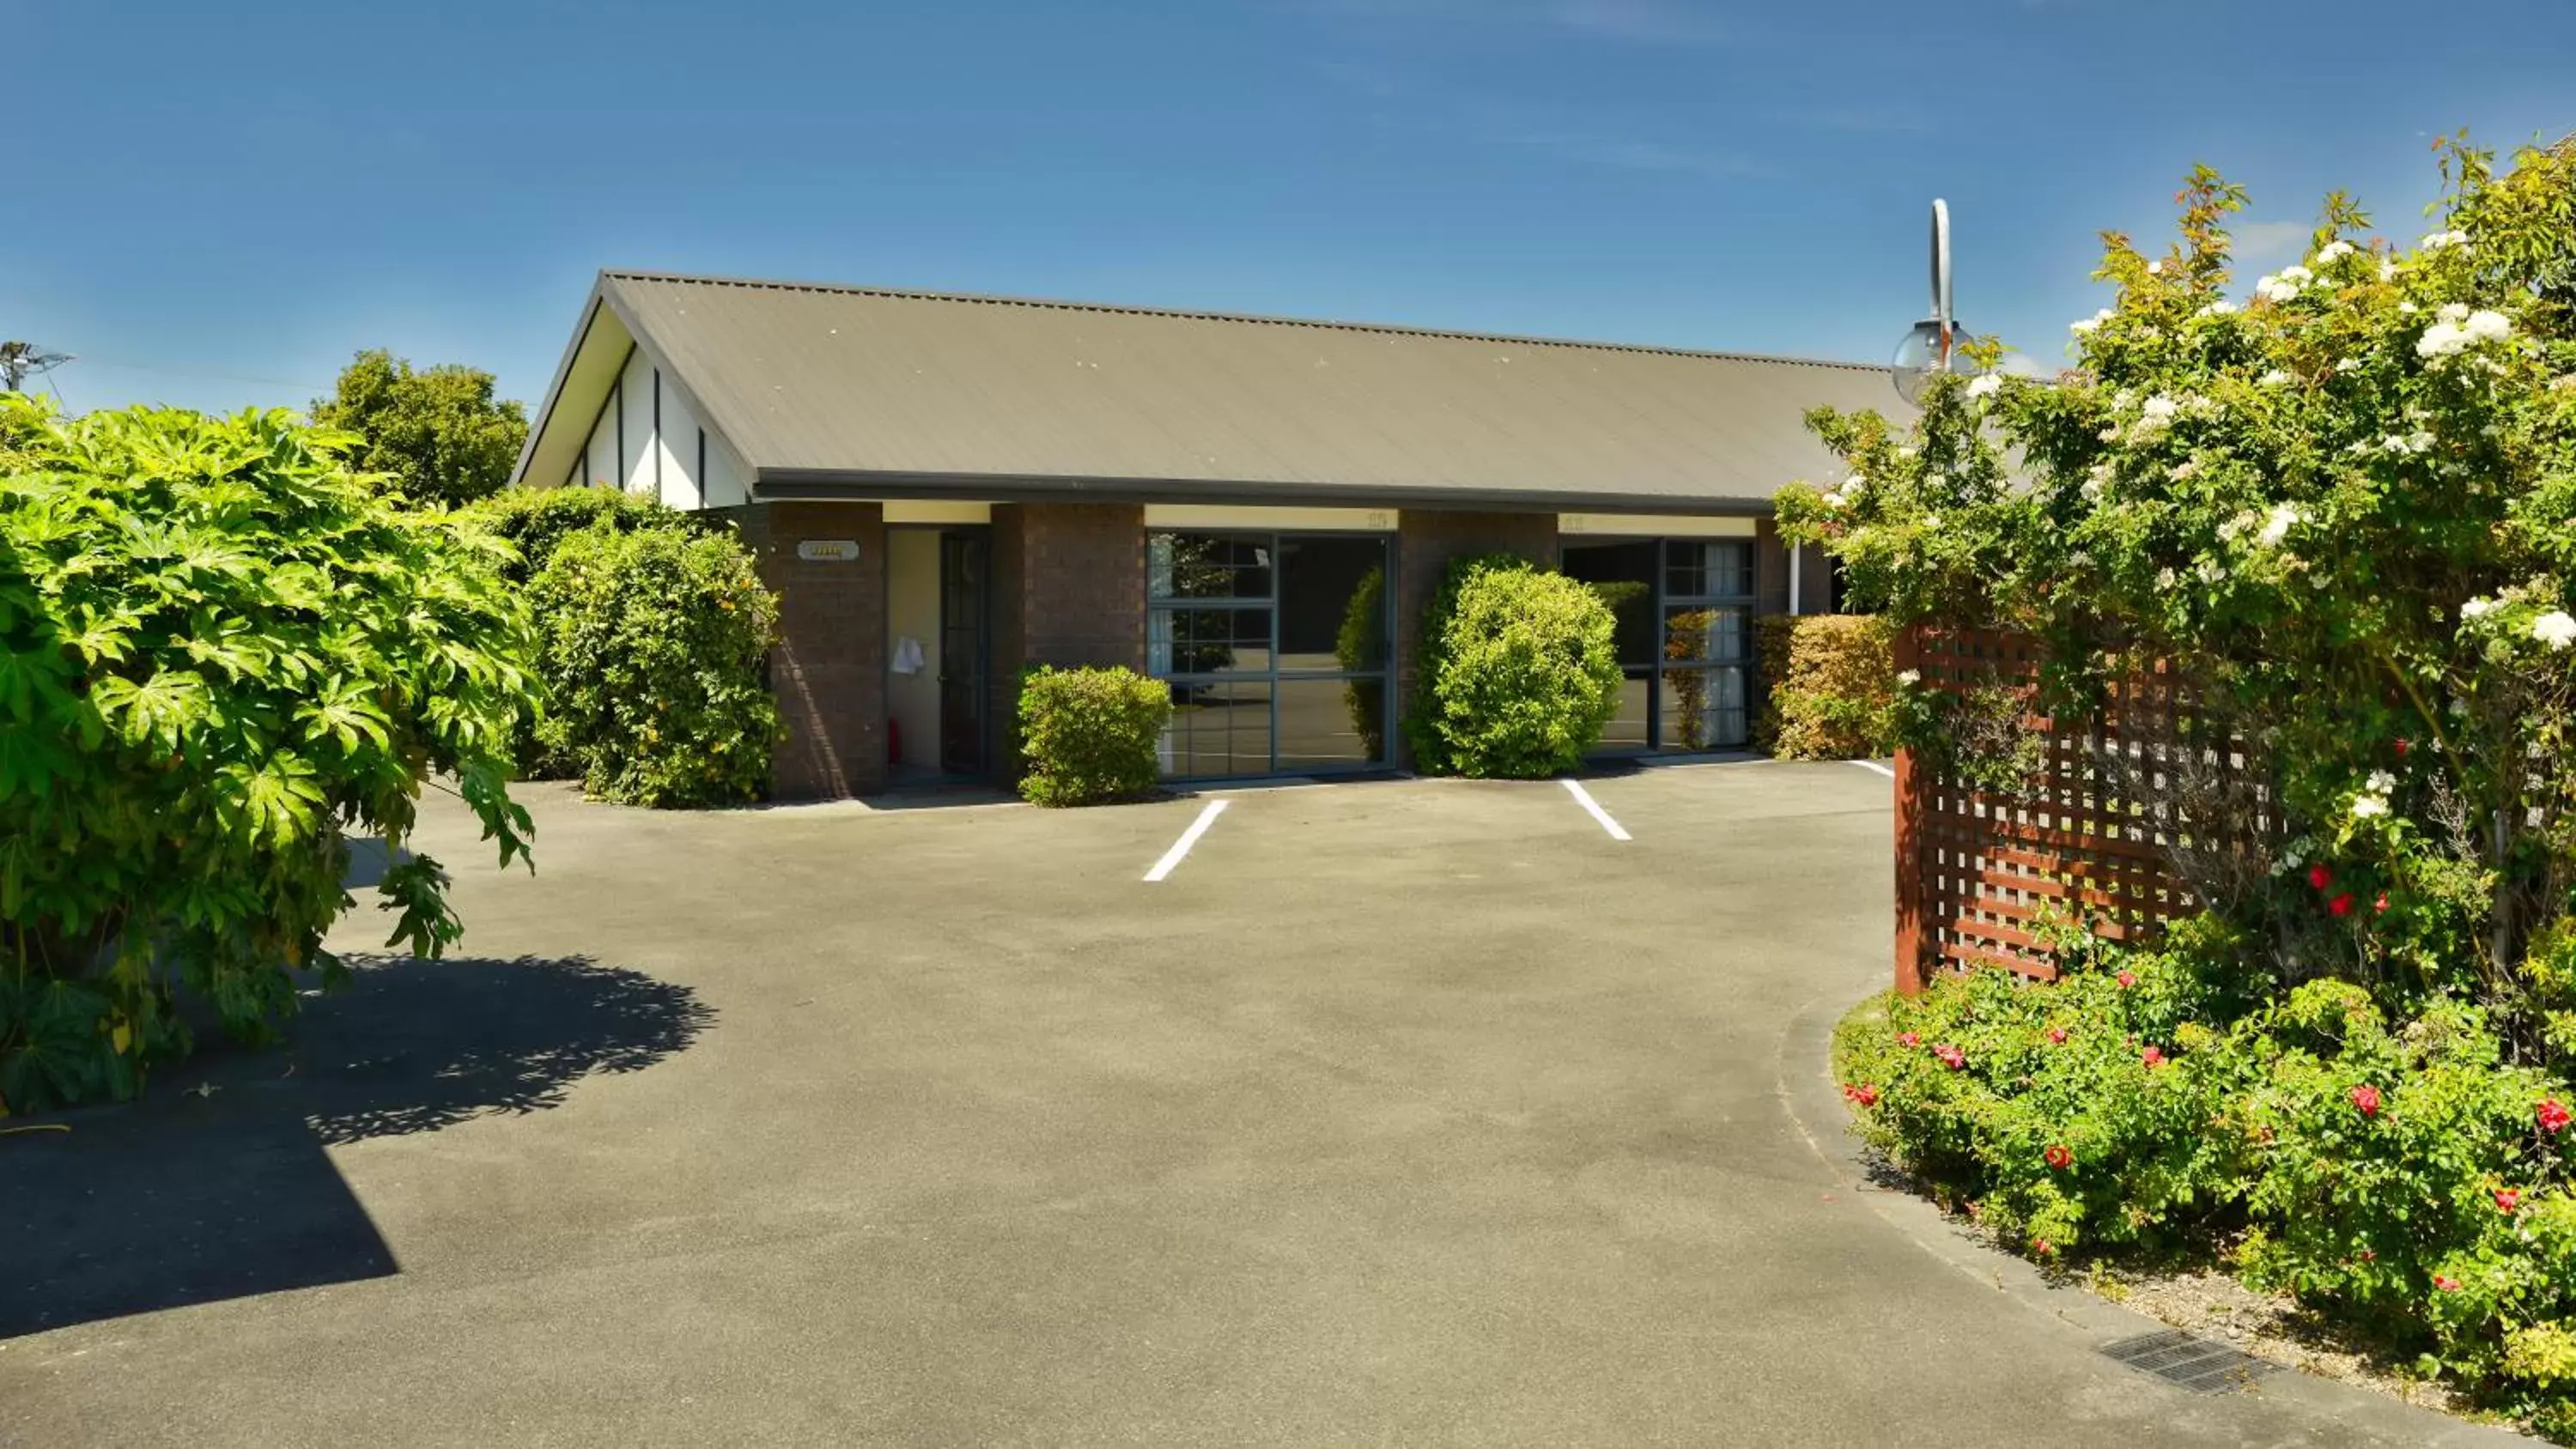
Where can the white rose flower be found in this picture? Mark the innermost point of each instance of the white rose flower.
(2161, 406)
(2277, 526)
(1906, 453)
(2380, 782)
(2477, 608)
(2419, 441)
(2166, 578)
(2348, 364)
(2407, 308)
(2300, 275)
(2442, 339)
(1909, 676)
(2453, 312)
(1985, 385)
(2211, 571)
(2275, 378)
(2554, 629)
(2441, 239)
(2333, 252)
(2388, 270)
(2365, 806)
(2488, 326)
(2219, 308)
(2155, 267)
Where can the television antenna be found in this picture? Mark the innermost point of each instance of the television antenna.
(22, 360)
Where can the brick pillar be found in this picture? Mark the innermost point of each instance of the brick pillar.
(828, 671)
(1426, 542)
(1068, 589)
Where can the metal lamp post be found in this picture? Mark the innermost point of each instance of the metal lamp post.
(1932, 346)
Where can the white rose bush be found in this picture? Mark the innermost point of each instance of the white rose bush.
(2341, 504)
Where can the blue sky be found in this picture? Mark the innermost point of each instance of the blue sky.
(219, 203)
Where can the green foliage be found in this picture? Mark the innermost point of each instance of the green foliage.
(1089, 736)
(437, 436)
(2404, 1175)
(654, 650)
(1360, 645)
(535, 521)
(1519, 672)
(2344, 511)
(1833, 686)
(220, 656)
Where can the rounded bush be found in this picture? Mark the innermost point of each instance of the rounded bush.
(654, 650)
(1520, 674)
(1832, 686)
(536, 521)
(1088, 736)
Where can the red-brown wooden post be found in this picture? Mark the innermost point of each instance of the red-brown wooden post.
(1913, 943)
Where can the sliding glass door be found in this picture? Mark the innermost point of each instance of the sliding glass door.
(1684, 609)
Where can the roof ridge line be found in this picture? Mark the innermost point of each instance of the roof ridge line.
(1206, 315)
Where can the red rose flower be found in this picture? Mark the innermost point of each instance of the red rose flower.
(2380, 905)
(2320, 877)
(2341, 905)
(2057, 1037)
(2402, 747)
(2153, 1056)
(2507, 1199)
(2042, 1248)
(1866, 1095)
(2126, 979)
(2553, 1117)
(1951, 1056)
(2368, 1256)
(1907, 1039)
(2058, 1157)
(2447, 1285)
(2365, 1099)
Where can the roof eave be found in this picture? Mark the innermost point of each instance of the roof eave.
(778, 485)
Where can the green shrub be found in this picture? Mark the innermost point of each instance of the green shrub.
(536, 521)
(1519, 672)
(655, 646)
(1089, 735)
(221, 655)
(1832, 684)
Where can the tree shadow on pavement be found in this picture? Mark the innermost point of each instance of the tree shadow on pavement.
(215, 1184)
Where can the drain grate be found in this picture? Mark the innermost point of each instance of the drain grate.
(2195, 1364)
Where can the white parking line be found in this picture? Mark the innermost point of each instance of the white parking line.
(1189, 837)
(1873, 765)
(1584, 798)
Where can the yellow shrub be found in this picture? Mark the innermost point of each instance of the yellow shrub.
(1833, 686)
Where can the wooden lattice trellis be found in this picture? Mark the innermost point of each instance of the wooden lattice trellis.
(1974, 871)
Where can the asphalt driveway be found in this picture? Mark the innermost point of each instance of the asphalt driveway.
(1403, 1113)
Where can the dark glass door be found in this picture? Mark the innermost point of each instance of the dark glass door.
(962, 732)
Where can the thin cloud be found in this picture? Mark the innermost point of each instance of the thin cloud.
(2257, 242)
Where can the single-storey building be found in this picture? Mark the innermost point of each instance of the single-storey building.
(944, 489)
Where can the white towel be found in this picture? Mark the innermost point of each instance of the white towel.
(907, 656)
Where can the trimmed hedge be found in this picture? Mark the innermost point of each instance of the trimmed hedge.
(536, 521)
(1089, 736)
(1519, 675)
(654, 650)
(1833, 686)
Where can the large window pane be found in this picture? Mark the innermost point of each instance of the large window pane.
(1696, 569)
(1218, 729)
(1627, 729)
(1623, 574)
(1331, 723)
(1703, 709)
(1207, 641)
(1698, 635)
(1207, 566)
(1332, 603)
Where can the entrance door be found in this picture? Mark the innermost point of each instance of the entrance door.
(962, 732)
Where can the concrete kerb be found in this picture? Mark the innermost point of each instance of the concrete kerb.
(1813, 1099)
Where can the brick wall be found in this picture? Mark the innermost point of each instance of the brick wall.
(1068, 589)
(828, 671)
(1426, 541)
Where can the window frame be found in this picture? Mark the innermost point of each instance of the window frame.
(1274, 675)
(1664, 603)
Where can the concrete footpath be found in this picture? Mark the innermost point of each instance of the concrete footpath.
(1398, 1113)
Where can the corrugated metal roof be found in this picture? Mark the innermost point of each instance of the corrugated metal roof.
(818, 383)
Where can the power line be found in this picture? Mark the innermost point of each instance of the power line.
(206, 372)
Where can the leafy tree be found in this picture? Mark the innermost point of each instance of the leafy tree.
(439, 435)
(221, 655)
